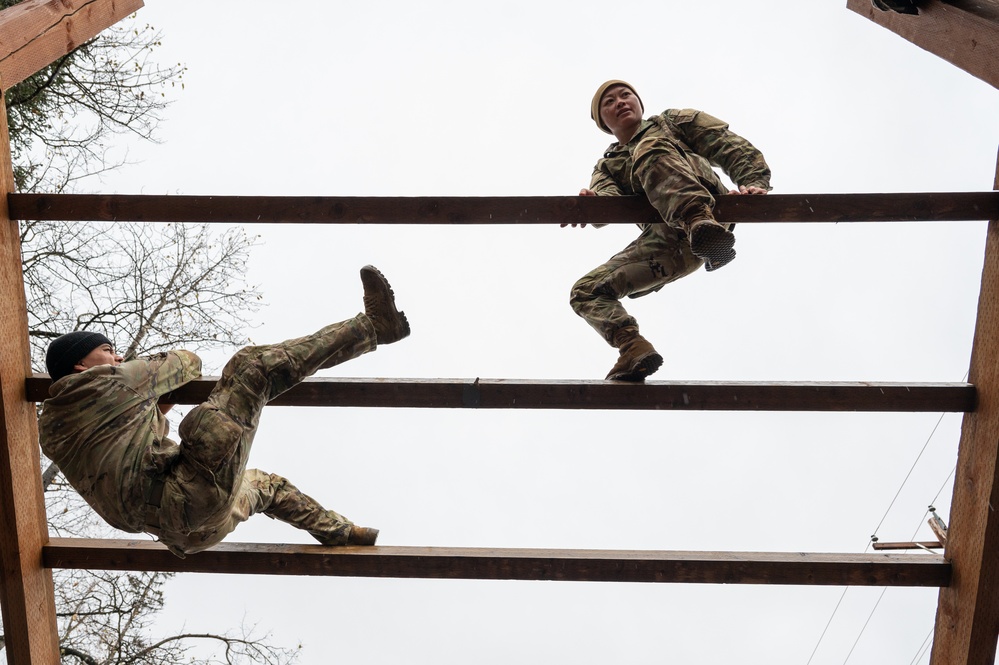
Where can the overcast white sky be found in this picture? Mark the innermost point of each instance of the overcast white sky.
(492, 99)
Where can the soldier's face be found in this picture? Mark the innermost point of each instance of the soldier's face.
(620, 109)
(102, 355)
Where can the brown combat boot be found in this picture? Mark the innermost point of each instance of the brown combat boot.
(362, 535)
(638, 358)
(379, 305)
(712, 242)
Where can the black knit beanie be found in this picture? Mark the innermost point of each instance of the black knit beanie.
(67, 350)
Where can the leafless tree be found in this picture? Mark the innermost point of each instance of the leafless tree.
(64, 118)
(107, 618)
(147, 287)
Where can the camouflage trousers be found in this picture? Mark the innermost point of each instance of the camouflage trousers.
(681, 191)
(208, 491)
(673, 183)
(660, 255)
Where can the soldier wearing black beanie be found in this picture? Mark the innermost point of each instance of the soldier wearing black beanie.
(67, 350)
(106, 429)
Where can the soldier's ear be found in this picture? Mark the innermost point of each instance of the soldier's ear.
(79, 368)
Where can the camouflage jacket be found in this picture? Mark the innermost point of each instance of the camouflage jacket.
(105, 431)
(707, 142)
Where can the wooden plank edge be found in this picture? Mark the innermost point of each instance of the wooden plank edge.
(597, 394)
(923, 545)
(27, 601)
(36, 33)
(967, 620)
(965, 33)
(837, 208)
(784, 568)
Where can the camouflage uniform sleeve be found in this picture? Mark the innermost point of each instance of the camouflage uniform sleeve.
(161, 373)
(603, 184)
(712, 139)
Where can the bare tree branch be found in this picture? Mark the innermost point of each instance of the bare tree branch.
(79, 655)
(148, 287)
(65, 115)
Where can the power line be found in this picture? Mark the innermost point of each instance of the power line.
(922, 648)
(873, 538)
(864, 627)
(885, 590)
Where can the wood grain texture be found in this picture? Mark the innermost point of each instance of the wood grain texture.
(26, 592)
(510, 564)
(926, 544)
(967, 623)
(773, 208)
(965, 33)
(654, 395)
(36, 33)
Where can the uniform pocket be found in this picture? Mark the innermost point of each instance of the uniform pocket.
(209, 436)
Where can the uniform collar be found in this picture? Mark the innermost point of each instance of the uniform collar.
(642, 128)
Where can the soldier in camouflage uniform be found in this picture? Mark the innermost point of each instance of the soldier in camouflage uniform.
(104, 427)
(668, 158)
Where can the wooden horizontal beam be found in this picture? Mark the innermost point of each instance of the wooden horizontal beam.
(946, 206)
(658, 395)
(925, 545)
(36, 33)
(917, 570)
(965, 33)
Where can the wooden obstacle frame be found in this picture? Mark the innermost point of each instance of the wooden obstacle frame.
(36, 32)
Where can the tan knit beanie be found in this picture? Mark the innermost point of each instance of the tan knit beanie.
(595, 104)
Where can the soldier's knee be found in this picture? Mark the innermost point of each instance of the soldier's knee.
(243, 357)
(657, 146)
(276, 358)
(581, 293)
(210, 436)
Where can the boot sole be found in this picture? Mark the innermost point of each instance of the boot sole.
(401, 329)
(643, 368)
(713, 243)
(711, 266)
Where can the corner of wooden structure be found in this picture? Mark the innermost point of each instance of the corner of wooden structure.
(967, 620)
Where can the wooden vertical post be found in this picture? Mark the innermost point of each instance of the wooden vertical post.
(967, 623)
(33, 34)
(26, 590)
